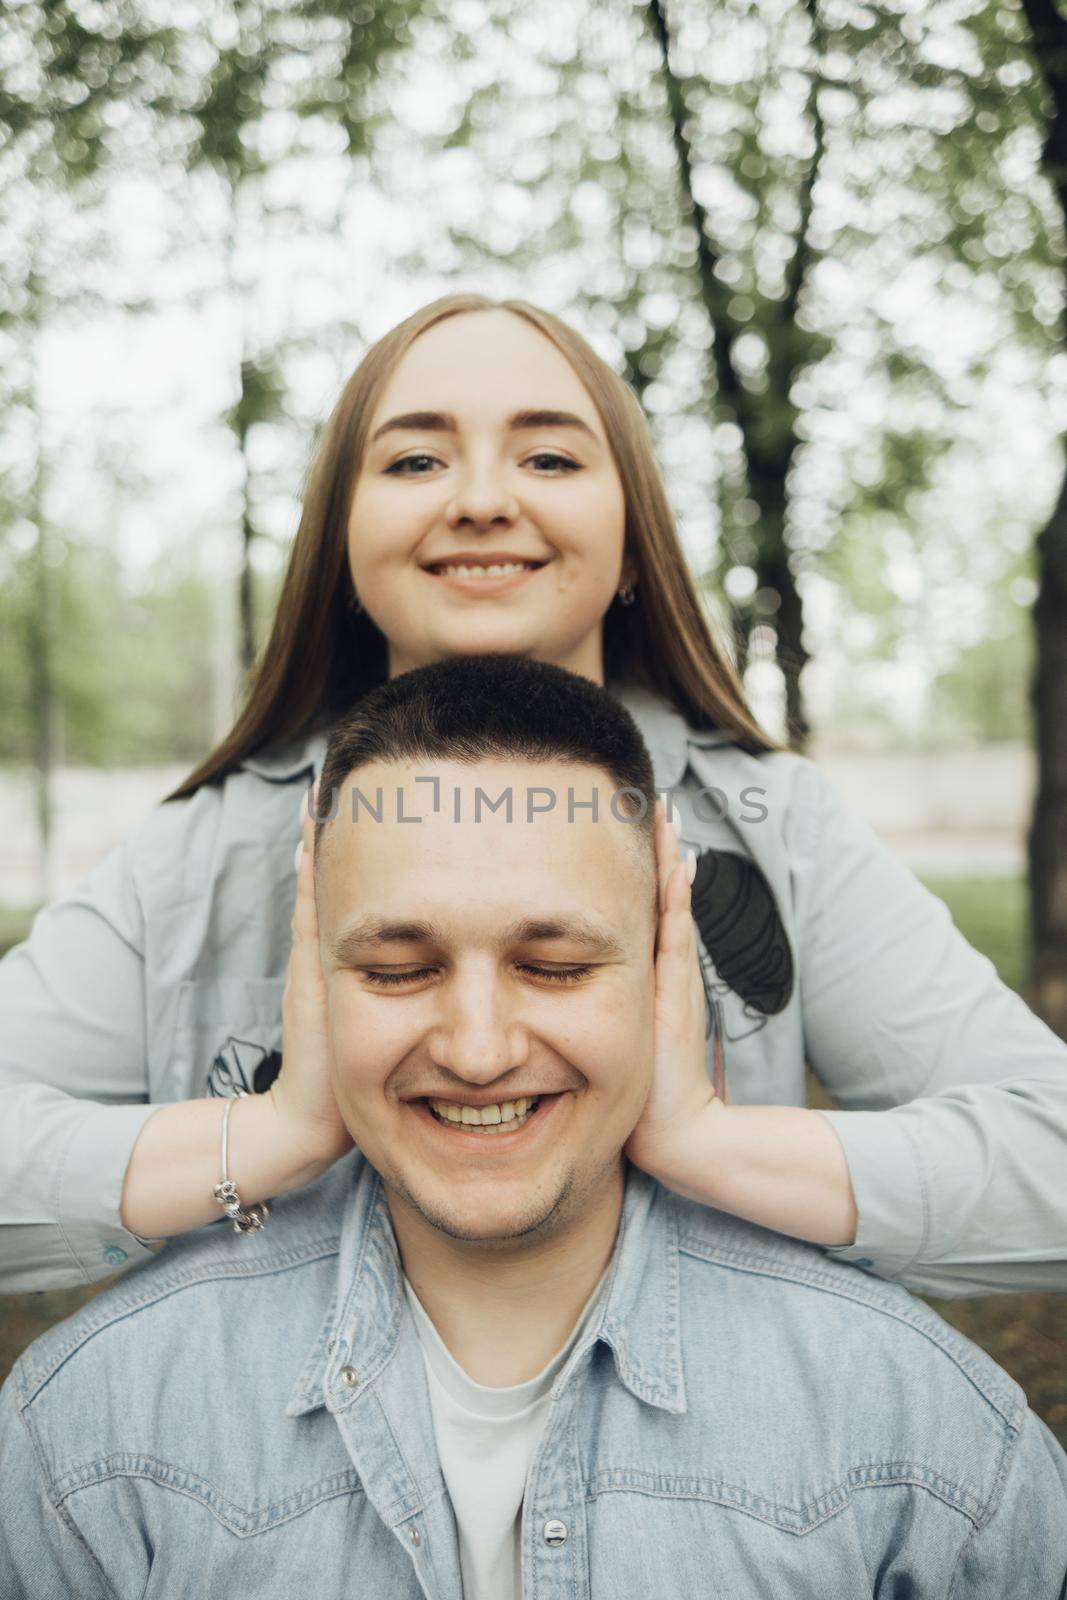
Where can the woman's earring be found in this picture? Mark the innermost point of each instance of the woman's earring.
(627, 595)
(355, 605)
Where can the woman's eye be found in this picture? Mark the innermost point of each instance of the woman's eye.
(557, 462)
(417, 466)
(407, 461)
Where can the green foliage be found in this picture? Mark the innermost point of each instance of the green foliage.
(15, 712)
(15, 925)
(827, 143)
(262, 397)
(65, 67)
(317, 59)
(89, 93)
(873, 143)
(134, 690)
(984, 696)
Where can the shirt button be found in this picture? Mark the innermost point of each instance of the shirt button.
(555, 1532)
(415, 1536)
(350, 1376)
(863, 1261)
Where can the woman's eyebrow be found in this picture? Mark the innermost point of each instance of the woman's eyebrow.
(445, 422)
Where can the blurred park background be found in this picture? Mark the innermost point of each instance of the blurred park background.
(823, 240)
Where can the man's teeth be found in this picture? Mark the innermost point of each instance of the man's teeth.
(500, 569)
(506, 1111)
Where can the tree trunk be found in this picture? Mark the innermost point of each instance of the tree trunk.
(1048, 828)
(246, 598)
(42, 620)
(43, 631)
(238, 418)
(767, 471)
(775, 573)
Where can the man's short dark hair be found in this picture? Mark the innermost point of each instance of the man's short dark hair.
(495, 707)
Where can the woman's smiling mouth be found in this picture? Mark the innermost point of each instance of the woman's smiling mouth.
(483, 574)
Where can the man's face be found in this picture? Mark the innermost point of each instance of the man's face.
(480, 962)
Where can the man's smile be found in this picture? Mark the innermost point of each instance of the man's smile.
(504, 1124)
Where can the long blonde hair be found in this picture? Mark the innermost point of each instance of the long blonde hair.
(320, 658)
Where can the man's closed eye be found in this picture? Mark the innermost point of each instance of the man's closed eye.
(387, 977)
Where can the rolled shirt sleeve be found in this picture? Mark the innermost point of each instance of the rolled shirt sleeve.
(954, 1124)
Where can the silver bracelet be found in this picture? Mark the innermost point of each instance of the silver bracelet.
(245, 1219)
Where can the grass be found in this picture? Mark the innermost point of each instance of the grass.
(15, 923)
(992, 915)
(1026, 1334)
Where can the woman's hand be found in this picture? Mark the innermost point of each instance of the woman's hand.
(782, 1167)
(278, 1141)
(303, 1090)
(681, 1094)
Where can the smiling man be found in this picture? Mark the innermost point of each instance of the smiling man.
(491, 999)
(485, 1356)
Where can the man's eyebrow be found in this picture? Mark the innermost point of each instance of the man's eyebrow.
(445, 422)
(370, 933)
(578, 929)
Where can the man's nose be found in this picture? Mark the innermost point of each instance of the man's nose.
(480, 1034)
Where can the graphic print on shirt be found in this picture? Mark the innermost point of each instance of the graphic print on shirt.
(747, 951)
(242, 1066)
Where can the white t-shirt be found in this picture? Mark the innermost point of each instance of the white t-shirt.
(486, 1439)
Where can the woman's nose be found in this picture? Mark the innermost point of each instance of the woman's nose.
(482, 498)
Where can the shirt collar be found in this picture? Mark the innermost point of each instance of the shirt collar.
(642, 1310)
(284, 762)
(639, 1315)
(662, 726)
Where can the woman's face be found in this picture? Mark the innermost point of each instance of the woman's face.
(486, 452)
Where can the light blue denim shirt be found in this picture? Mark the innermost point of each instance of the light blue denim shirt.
(248, 1418)
(818, 944)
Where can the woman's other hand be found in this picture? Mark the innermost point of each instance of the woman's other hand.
(681, 1094)
(303, 1090)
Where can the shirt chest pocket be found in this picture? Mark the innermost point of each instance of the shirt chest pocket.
(227, 1036)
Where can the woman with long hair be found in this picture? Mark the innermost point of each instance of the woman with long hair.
(486, 483)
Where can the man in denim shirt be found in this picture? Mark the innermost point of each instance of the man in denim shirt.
(484, 1355)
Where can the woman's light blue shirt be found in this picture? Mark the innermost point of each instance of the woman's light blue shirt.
(818, 944)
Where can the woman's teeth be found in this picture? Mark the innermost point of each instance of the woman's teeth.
(511, 1112)
(502, 569)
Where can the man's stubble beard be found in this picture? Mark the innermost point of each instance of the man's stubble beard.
(541, 1221)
